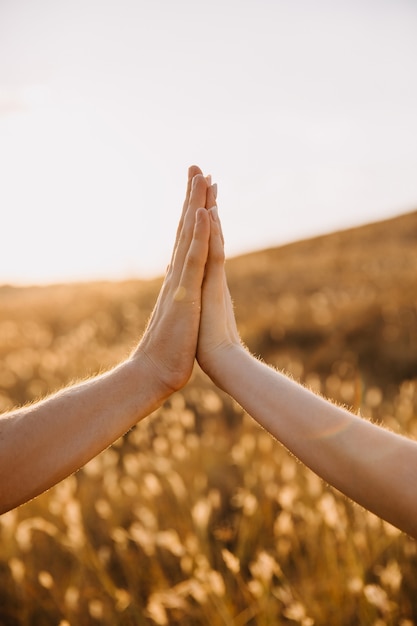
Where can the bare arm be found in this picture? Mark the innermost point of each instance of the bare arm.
(43, 443)
(371, 465)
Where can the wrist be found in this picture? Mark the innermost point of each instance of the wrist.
(224, 365)
(160, 383)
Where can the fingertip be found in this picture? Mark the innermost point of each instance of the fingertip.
(201, 216)
(214, 213)
(198, 194)
(193, 170)
(198, 178)
(214, 218)
(211, 196)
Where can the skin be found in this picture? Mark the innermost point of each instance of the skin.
(43, 443)
(371, 465)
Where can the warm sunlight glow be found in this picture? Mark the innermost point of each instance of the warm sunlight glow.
(303, 131)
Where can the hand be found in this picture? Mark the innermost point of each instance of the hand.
(170, 340)
(218, 332)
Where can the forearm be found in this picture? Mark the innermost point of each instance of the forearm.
(43, 443)
(374, 467)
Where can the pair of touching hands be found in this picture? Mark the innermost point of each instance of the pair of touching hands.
(193, 316)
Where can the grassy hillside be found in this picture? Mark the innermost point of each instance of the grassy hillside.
(197, 516)
(348, 296)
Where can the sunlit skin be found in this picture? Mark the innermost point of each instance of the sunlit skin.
(43, 443)
(371, 465)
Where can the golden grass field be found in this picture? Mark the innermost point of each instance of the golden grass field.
(197, 516)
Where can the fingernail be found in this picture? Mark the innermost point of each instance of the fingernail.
(208, 179)
(196, 178)
(214, 188)
(214, 214)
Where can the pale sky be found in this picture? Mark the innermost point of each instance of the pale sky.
(304, 112)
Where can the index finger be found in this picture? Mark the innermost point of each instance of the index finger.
(193, 170)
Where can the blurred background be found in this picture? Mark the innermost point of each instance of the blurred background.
(304, 113)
